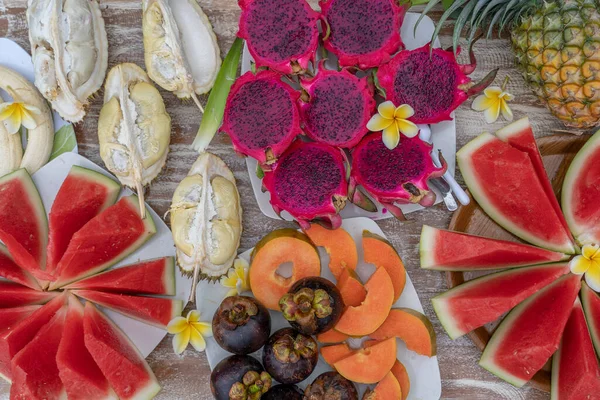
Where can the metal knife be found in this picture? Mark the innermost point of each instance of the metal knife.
(441, 185)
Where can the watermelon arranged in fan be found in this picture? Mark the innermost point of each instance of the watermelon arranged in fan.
(51, 346)
(535, 285)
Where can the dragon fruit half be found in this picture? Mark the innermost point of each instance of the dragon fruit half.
(394, 176)
(261, 116)
(431, 81)
(309, 181)
(336, 107)
(282, 34)
(362, 33)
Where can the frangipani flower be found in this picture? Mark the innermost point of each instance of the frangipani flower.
(189, 330)
(493, 101)
(392, 121)
(588, 263)
(16, 114)
(237, 278)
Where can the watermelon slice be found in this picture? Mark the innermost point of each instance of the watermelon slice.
(34, 370)
(591, 305)
(11, 271)
(155, 311)
(105, 240)
(575, 369)
(82, 195)
(482, 300)
(581, 193)
(118, 358)
(504, 182)
(14, 339)
(15, 295)
(148, 277)
(9, 317)
(23, 223)
(443, 250)
(78, 371)
(531, 332)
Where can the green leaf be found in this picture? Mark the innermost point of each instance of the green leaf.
(259, 172)
(215, 107)
(64, 141)
(447, 3)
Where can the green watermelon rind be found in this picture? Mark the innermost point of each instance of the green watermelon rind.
(113, 187)
(587, 308)
(463, 157)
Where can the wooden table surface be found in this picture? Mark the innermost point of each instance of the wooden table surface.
(187, 377)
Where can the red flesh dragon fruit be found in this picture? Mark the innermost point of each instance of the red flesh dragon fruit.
(309, 181)
(362, 33)
(432, 82)
(394, 176)
(336, 107)
(261, 116)
(281, 34)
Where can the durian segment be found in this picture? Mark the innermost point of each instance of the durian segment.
(180, 48)
(69, 49)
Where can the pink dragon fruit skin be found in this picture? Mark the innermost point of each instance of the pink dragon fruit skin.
(336, 107)
(309, 181)
(431, 81)
(261, 116)
(394, 176)
(362, 33)
(281, 35)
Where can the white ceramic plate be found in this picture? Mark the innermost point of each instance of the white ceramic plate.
(146, 337)
(423, 371)
(443, 134)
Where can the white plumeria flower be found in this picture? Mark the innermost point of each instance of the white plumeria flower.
(189, 330)
(237, 278)
(492, 102)
(588, 263)
(16, 114)
(393, 121)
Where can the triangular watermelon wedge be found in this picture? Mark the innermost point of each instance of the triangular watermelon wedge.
(105, 240)
(83, 195)
(591, 305)
(33, 368)
(9, 317)
(443, 250)
(118, 358)
(483, 300)
(531, 332)
(15, 295)
(78, 371)
(147, 277)
(575, 369)
(23, 223)
(11, 271)
(155, 311)
(505, 184)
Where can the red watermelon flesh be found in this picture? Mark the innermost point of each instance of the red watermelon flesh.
(11, 271)
(531, 332)
(78, 371)
(9, 317)
(444, 250)
(15, 295)
(118, 358)
(520, 135)
(34, 370)
(503, 181)
(575, 369)
(14, 339)
(155, 311)
(591, 305)
(148, 277)
(104, 240)
(23, 223)
(82, 195)
(482, 300)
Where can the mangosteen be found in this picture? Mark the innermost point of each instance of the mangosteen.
(312, 305)
(283, 392)
(239, 378)
(331, 385)
(241, 325)
(289, 356)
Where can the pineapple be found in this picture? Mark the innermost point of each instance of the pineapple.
(556, 44)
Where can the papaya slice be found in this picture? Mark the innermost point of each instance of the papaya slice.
(338, 244)
(331, 337)
(387, 389)
(381, 253)
(352, 290)
(410, 326)
(401, 375)
(370, 364)
(364, 319)
(280, 247)
(335, 353)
